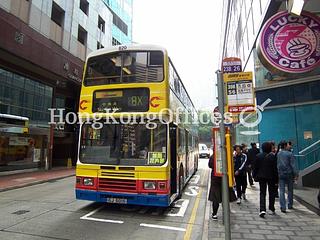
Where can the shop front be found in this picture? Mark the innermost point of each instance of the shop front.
(287, 73)
(36, 74)
(22, 151)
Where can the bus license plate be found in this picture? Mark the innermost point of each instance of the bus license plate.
(117, 200)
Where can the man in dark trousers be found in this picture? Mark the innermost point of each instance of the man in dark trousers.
(319, 198)
(266, 173)
(252, 154)
(240, 173)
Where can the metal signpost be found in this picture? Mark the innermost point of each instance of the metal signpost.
(225, 187)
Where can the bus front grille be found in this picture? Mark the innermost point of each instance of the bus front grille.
(117, 185)
(117, 174)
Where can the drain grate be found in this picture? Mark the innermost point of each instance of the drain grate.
(20, 212)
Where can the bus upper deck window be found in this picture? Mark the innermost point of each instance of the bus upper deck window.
(156, 58)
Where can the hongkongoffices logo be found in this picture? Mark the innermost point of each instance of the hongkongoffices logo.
(291, 43)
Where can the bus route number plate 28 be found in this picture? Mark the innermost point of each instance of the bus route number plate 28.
(117, 200)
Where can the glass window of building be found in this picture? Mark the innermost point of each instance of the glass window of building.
(57, 14)
(84, 6)
(30, 99)
(99, 45)
(243, 18)
(82, 35)
(256, 15)
(264, 5)
(117, 21)
(115, 42)
(101, 24)
(250, 29)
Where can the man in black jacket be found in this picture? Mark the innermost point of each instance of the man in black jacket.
(319, 198)
(240, 173)
(266, 173)
(252, 154)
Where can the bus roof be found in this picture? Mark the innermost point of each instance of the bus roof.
(130, 47)
(134, 47)
(13, 117)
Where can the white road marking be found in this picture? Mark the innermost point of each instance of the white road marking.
(162, 227)
(92, 212)
(101, 220)
(193, 191)
(87, 217)
(182, 208)
(195, 179)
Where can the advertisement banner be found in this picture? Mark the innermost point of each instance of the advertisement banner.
(217, 161)
(290, 44)
(18, 141)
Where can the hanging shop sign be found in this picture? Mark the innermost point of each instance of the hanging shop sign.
(217, 160)
(290, 44)
(239, 92)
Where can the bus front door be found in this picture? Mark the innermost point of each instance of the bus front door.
(173, 160)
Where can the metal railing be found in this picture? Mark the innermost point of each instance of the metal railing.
(307, 158)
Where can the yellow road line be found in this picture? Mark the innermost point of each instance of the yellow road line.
(192, 219)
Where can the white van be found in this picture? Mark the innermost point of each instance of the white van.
(204, 151)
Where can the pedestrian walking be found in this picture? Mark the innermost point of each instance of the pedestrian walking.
(319, 198)
(215, 195)
(215, 192)
(265, 172)
(287, 174)
(240, 173)
(274, 151)
(252, 154)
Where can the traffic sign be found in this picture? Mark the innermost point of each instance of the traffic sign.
(239, 92)
(231, 65)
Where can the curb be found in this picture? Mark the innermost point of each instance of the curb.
(35, 183)
(205, 233)
(307, 205)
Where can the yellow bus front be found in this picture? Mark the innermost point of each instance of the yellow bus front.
(123, 155)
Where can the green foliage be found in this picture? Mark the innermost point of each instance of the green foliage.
(205, 126)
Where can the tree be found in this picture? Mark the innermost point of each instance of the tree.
(205, 126)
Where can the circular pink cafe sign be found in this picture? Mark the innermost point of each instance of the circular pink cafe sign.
(291, 43)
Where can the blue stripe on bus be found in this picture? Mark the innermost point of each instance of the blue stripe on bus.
(137, 199)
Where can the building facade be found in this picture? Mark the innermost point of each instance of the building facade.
(43, 48)
(295, 100)
(122, 20)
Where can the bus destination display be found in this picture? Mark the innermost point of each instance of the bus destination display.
(121, 100)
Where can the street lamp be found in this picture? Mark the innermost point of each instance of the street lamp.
(295, 6)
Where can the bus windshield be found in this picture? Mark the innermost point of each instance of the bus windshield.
(123, 144)
(125, 67)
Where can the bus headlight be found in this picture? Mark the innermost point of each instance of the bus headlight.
(149, 185)
(88, 181)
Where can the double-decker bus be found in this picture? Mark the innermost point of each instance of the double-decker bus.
(138, 140)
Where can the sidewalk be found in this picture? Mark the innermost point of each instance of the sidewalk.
(300, 223)
(308, 197)
(18, 180)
